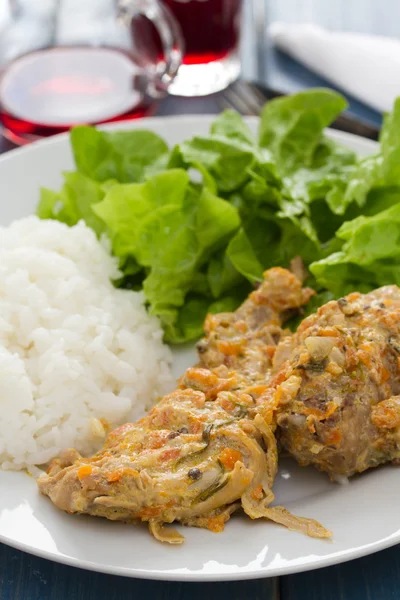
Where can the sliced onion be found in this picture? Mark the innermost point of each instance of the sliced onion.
(165, 534)
(319, 347)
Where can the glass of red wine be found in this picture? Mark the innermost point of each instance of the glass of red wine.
(69, 62)
(211, 32)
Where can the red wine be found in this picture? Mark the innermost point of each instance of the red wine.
(51, 90)
(210, 27)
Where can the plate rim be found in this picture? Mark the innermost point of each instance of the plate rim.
(329, 560)
(147, 122)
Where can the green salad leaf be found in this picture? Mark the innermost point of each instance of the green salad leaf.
(126, 156)
(230, 124)
(222, 275)
(127, 205)
(370, 255)
(171, 229)
(227, 160)
(74, 202)
(196, 226)
(390, 146)
(291, 127)
(242, 256)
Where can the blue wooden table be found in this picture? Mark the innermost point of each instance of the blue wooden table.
(25, 577)
(377, 577)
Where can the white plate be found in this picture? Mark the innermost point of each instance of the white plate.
(363, 515)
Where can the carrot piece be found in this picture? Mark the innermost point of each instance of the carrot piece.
(328, 332)
(386, 414)
(229, 458)
(230, 348)
(270, 351)
(84, 471)
(257, 493)
(334, 438)
(114, 476)
(216, 524)
(170, 454)
(241, 326)
(384, 375)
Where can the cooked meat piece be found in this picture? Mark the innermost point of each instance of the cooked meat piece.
(203, 450)
(246, 340)
(334, 399)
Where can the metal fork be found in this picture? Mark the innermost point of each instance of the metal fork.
(244, 98)
(249, 100)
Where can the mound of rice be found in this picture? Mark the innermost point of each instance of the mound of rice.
(76, 355)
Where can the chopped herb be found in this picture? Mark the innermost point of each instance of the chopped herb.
(206, 433)
(394, 343)
(210, 491)
(317, 366)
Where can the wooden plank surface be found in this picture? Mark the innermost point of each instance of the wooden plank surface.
(25, 577)
(375, 577)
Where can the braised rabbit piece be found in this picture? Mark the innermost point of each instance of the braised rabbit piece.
(204, 450)
(336, 399)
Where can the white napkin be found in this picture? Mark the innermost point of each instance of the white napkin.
(365, 66)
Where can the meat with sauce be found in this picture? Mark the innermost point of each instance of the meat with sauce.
(204, 450)
(335, 399)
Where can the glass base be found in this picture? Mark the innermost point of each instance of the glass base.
(204, 79)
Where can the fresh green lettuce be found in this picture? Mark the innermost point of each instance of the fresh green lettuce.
(292, 126)
(369, 257)
(126, 156)
(74, 202)
(196, 226)
(390, 146)
(172, 230)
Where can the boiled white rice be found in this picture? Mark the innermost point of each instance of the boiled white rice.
(75, 352)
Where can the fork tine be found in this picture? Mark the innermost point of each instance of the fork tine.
(248, 96)
(236, 102)
(238, 96)
(224, 103)
(261, 98)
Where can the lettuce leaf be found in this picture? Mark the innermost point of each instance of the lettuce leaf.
(195, 227)
(313, 168)
(170, 229)
(292, 126)
(73, 203)
(390, 145)
(126, 205)
(175, 243)
(188, 321)
(127, 156)
(369, 257)
(227, 160)
(230, 154)
(231, 125)
(242, 256)
(222, 275)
